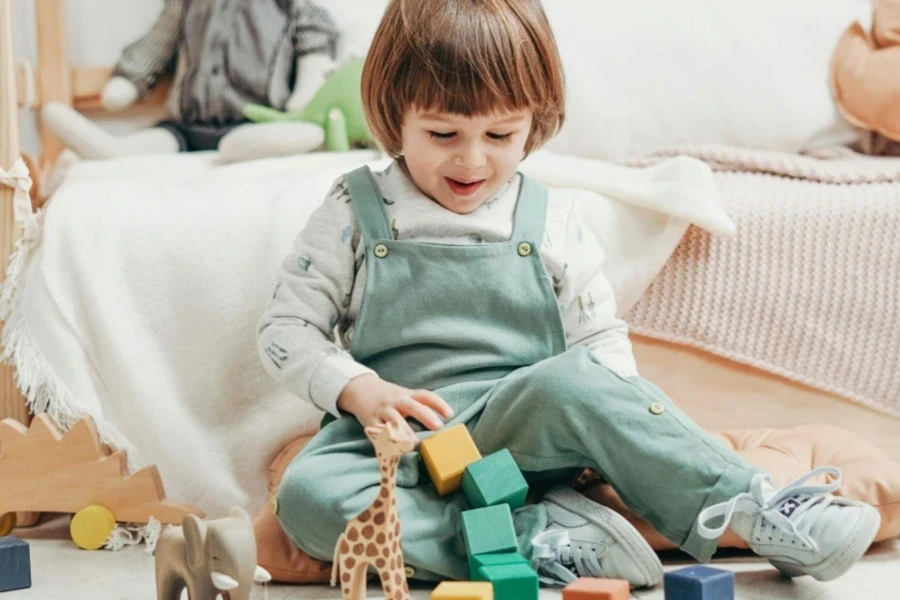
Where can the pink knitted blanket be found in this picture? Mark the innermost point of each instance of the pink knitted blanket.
(809, 288)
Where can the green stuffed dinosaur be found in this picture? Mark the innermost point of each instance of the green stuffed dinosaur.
(336, 108)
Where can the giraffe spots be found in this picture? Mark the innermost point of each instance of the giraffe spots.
(384, 493)
(372, 550)
(380, 539)
(386, 551)
(345, 577)
(379, 518)
(353, 534)
(378, 504)
(396, 546)
(358, 548)
(350, 562)
(365, 516)
(345, 547)
(397, 528)
(384, 481)
(379, 564)
(397, 579)
(368, 531)
(391, 564)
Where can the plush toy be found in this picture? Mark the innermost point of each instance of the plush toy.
(864, 77)
(337, 108)
(335, 111)
(226, 54)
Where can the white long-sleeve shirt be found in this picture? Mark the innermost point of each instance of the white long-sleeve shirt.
(311, 314)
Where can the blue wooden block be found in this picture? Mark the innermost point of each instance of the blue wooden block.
(699, 583)
(15, 564)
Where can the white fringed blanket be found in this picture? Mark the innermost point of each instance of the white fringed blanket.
(134, 297)
(809, 288)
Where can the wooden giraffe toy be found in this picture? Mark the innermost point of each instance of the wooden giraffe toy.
(373, 538)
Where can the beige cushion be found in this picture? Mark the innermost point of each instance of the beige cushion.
(785, 453)
(864, 71)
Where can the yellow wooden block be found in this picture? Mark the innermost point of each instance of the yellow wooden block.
(446, 455)
(91, 526)
(463, 590)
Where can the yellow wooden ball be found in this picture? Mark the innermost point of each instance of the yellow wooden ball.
(91, 526)
(7, 523)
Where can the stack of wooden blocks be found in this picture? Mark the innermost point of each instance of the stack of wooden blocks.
(494, 487)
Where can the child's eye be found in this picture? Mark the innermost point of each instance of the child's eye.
(502, 137)
(441, 136)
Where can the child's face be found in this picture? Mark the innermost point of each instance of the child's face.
(462, 161)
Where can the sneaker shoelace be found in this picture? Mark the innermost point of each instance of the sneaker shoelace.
(558, 561)
(788, 513)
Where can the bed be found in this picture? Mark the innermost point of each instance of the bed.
(721, 393)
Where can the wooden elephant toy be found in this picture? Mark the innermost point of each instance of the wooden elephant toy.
(209, 558)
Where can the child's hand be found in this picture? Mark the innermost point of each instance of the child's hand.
(375, 401)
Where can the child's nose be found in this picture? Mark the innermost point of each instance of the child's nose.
(471, 156)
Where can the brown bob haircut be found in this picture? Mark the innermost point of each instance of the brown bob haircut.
(463, 57)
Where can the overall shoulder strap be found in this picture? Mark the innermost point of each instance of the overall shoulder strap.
(531, 211)
(367, 204)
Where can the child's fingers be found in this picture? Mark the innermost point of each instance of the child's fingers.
(432, 400)
(393, 416)
(421, 413)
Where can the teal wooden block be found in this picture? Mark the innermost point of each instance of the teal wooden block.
(495, 479)
(504, 558)
(15, 564)
(489, 530)
(511, 582)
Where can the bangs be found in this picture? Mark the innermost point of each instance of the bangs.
(463, 57)
(471, 65)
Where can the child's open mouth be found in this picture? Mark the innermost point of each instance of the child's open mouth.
(463, 188)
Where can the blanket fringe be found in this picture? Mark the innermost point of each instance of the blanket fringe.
(43, 391)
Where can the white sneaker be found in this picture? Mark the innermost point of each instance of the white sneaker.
(801, 529)
(586, 539)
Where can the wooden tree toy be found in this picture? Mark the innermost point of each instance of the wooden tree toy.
(45, 470)
(699, 582)
(589, 588)
(446, 455)
(373, 537)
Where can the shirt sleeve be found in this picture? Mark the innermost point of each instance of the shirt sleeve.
(314, 29)
(296, 333)
(148, 57)
(589, 313)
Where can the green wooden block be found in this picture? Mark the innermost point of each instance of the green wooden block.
(489, 530)
(504, 558)
(495, 479)
(511, 582)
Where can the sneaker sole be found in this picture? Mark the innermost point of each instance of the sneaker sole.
(840, 562)
(618, 527)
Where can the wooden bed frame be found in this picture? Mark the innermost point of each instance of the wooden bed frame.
(720, 394)
(23, 86)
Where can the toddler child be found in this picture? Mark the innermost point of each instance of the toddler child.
(464, 293)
